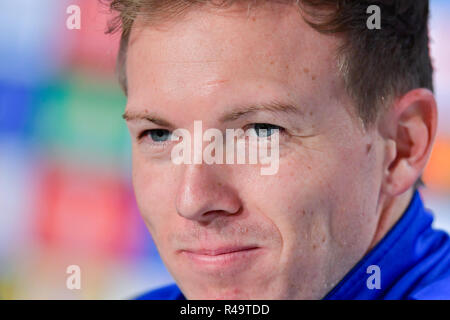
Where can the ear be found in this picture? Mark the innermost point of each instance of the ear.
(409, 132)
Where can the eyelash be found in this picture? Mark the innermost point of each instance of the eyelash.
(154, 144)
(281, 130)
(144, 133)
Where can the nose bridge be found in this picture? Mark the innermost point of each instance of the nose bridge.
(203, 192)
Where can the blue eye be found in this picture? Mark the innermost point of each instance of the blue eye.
(157, 135)
(264, 130)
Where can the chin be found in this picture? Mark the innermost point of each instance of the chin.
(225, 294)
(241, 292)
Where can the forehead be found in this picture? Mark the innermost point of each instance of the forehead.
(210, 48)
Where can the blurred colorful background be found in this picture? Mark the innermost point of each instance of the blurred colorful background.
(65, 168)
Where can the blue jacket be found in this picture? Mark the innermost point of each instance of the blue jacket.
(413, 261)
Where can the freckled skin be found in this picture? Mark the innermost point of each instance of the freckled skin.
(317, 216)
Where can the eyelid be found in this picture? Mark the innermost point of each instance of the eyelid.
(279, 128)
(161, 144)
(142, 134)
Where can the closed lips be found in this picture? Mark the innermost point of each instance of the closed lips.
(220, 251)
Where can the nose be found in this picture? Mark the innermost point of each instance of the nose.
(203, 195)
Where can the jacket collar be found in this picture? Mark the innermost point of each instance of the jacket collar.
(395, 254)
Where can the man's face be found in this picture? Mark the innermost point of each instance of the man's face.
(295, 233)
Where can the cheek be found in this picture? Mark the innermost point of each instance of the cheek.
(154, 190)
(296, 201)
(356, 190)
(348, 186)
(322, 200)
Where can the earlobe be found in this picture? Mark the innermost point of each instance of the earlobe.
(414, 122)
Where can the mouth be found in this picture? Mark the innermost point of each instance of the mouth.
(221, 258)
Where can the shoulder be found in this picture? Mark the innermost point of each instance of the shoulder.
(169, 292)
(437, 290)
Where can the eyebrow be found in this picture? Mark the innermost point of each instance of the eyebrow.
(135, 116)
(272, 106)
